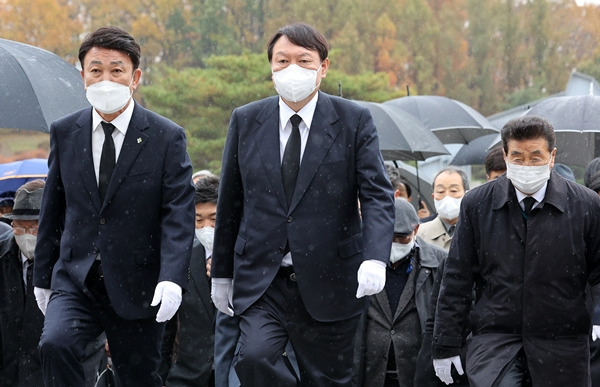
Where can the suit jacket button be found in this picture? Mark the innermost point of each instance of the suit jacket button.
(289, 219)
(281, 250)
(102, 220)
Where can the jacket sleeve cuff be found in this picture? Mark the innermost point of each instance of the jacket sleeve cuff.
(446, 346)
(441, 352)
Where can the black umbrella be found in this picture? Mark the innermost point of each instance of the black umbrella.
(36, 87)
(452, 121)
(401, 136)
(475, 151)
(576, 122)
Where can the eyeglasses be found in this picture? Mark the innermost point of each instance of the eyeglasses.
(33, 230)
(402, 238)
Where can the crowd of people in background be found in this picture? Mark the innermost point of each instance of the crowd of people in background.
(305, 263)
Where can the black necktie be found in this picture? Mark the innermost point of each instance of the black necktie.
(528, 203)
(291, 160)
(107, 159)
(29, 277)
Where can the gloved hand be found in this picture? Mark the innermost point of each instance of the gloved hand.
(169, 295)
(42, 296)
(371, 278)
(221, 292)
(595, 332)
(443, 368)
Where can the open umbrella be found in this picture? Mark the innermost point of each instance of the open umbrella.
(15, 174)
(36, 87)
(476, 151)
(401, 136)
(452, 121)
(576, 122)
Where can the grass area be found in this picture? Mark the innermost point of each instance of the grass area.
(22, 144)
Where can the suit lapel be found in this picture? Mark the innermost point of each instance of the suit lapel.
(320, 138)
(385, 305)
(267, 142)
(407, 295)
(135, 140)
(86, 164)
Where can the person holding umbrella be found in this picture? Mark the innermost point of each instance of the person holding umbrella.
(117, 225)
(530, 243)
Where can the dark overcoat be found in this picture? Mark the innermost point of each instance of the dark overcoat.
(530, 276)
(21, 322)
(384, 327)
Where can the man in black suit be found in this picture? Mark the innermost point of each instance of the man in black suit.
(195, 323)
(117, 225)
(291, 249)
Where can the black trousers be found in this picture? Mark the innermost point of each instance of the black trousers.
(324, 350)
(74, 319)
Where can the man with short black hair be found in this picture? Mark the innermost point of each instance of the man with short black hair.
(293, 256)
(117, 226)
(530, 242)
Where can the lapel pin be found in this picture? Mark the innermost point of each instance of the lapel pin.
(139, 140)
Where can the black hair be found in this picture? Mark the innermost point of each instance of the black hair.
(526, 128)
(494, 161)
(112, 38)
(207, 190)
(301, 35)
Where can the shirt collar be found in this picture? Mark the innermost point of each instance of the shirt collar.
(121, 123)
(306, 113)
(538, 196)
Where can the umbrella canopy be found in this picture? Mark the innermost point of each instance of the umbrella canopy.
(36, 87)
(452, 121)
(476, 151)
(576, 122)
(15, 174)
(401, 136)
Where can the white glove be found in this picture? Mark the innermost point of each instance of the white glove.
(595, 332)
(443, 367)
(169, 295)
(42, 296)
(221, 292)
(371, 278)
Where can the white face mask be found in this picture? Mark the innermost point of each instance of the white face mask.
(295, 83)
(448, 207)
(528, 179)
(401, 251)
(26, 243)
(206, 236)
(108, 97)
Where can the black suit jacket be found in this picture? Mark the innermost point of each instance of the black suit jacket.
(144, 228)
(196, 317)
(341, 165)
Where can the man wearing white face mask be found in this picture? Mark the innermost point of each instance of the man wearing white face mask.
(529, 243)
(117, 226)
(449, 187)
(393, 326)
(293, 256)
